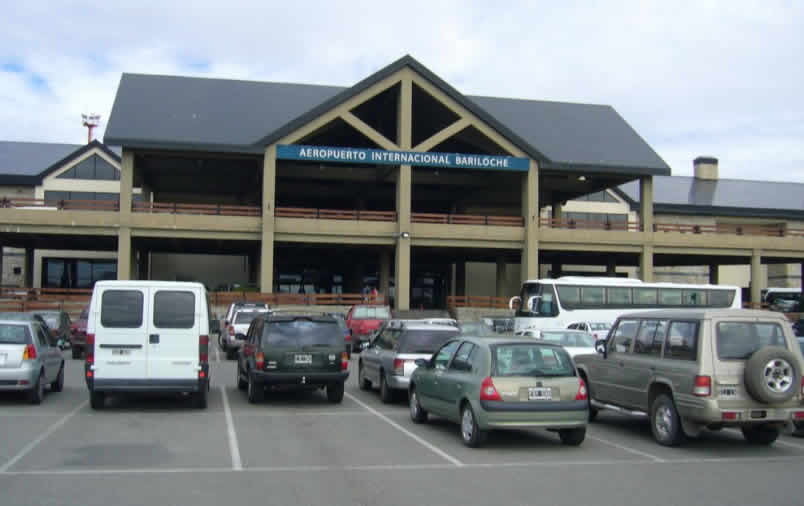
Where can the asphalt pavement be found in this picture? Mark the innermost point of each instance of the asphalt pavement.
(297, 449)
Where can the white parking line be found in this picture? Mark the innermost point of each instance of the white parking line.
(300, 413)
(33, 444)
(431, 447)
(778, 441)
(626, 448)
(234, 448)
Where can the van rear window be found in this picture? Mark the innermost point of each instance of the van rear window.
(14, 334)
(121, 309)
(174, 309)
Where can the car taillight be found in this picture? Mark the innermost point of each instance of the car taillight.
(259, 359)
(203, 349)
(703, 386)
(344, 361)
(488, 392)
(90, 349)
(29, 353)
(582, 394)
(399, 367)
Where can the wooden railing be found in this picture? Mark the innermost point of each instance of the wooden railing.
(467, 219)
(71, 307)
(199, 209)
(335, 214)
(761, 230)
(628, 226)
(60, 205)
(293, 299)
(455, 301)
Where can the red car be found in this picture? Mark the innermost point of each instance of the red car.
(362, 320)
(78, 333)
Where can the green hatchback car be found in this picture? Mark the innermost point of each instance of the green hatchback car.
(496, 383)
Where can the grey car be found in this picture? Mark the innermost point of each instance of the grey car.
(390, 358)
(30, 359)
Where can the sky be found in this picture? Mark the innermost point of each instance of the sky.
(722, 79)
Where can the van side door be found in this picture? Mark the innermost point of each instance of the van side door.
(121, 333)
(173, 333)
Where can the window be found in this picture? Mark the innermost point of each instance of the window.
(302, 332)
(76, 272)
(42, 337)
(650, 338)
(669, 297)
(122, 309)
(721, 298)
(531, 360)
(739, 340)
(569, 296)
(444, 355)
(246, 317)
(645, 296)
(93, 167)
(623, 336)
(463, 358)
(424, 341)
(618, 296)
(695, 298)
(14, 334)
(682, 341)
(54, 196)
(593, 295)
(174, 309)
(371, 313)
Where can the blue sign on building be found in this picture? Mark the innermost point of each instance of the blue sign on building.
(379, 156)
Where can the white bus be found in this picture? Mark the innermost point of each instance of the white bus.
(555, 303)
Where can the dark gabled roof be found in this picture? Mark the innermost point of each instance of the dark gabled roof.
(722, 197)
(243, 116)
(27, 163)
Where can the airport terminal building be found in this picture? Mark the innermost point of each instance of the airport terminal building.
(399, 181)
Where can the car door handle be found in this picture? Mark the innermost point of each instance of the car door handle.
(153, 339)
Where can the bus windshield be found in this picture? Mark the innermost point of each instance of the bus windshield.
(544, 302)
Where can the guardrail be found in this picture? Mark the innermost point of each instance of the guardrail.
(761, 230)
(72, 308)
(198, 209)
(60, 205)
(335, 214)
(454, 301)
(629, 226)
(467, 219)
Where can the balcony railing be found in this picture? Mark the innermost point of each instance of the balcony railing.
(467, 219)
(197, 209)
(454, 301)
(60, 205)
(628, 226)
(682, 228)
(334, 214)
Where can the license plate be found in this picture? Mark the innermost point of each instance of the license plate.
(303, 359)
(121, 352)
(540, 394)
(728, 391)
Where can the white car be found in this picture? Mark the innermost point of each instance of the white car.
(234, 335)
(576, 342)
(598, 329)
(147, 336)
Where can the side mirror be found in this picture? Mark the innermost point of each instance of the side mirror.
(421, 362)
(600, 347)
(240, 337)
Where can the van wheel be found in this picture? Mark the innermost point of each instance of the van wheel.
(97, 400)
(760, 435)
(256, 392)
(37, 393)
(664, 422)
(242, 384)
(386, 394)
(58, 385)
(335, 392)
(572, 437)
(201, 397)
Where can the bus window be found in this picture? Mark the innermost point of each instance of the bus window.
(645, 296)
(721, 298)
(618, 296)
(593, 295)
(695, 298)
(669, 297)
(570, 295)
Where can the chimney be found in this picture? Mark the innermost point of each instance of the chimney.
(705, 167)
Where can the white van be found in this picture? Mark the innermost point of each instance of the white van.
(147, 336)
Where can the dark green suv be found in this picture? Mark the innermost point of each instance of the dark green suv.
(293, 351)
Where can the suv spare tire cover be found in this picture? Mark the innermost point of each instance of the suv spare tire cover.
(764, 370)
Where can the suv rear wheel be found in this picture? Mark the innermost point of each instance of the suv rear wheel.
(664, 421)
(242, 384)
(760, 435)
(256, 392)
(335, 392)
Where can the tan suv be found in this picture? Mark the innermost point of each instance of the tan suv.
(690, 370)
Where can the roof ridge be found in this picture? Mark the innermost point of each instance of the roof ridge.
(230, 80)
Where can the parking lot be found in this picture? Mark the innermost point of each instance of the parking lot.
(299, 449)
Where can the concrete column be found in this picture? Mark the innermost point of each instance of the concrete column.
(124, 253)
(714, 274)
(29, 267)
(404, 185)
(2, 277)
(611, 266)
(756, 278)
(646, 263)
(646, 203)
(530, 211)
(556, 269)
(557, 213)
(801, 282)
(126, 186)
(500, 278)
(268, 205)
(460, 278)
(385, 274)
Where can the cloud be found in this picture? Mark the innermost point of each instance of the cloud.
(691, 77)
